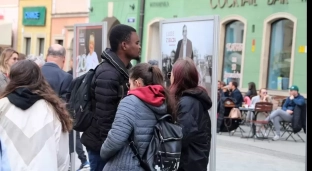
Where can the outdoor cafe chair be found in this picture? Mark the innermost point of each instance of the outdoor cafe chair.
(260, 107)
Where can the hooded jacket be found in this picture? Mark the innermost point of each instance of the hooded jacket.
(109, 84)
(194, 119)
(32, 133)
(136, 116)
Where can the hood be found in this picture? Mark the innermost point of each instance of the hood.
(23, 98)
(153, 95)
(112, 58)
(200, 94)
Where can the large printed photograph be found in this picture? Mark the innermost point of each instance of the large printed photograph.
(89, 48)
(191, 39)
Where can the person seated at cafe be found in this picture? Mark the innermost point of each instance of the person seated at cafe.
(262, 97)
(235, 94)
(286, 113)
(252, 91)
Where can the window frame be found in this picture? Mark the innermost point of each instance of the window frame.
(267, 27)
(223, 24)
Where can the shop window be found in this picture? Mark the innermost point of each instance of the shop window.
(60, 42)
(233, 47)
(27, 45)
(41, 46)
(280, 54)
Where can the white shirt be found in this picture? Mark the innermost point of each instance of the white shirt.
(184, 49)
(91, 61)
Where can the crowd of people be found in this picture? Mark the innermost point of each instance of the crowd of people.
(36, 125)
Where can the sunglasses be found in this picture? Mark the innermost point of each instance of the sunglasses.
(265, 92)
(169, 75)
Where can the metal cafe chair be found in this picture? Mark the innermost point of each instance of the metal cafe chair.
(260, 107)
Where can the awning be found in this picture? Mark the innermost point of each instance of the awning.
(5, 33)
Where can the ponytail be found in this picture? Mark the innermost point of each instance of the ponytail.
(156, 75)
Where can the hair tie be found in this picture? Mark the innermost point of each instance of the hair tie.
(150, 69)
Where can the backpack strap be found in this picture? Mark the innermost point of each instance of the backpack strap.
(137, 155)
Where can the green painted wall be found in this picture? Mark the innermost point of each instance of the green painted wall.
(255, 15)
(122, 11)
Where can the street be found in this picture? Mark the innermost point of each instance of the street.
(239, 154)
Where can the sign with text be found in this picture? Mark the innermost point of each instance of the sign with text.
(34, 16)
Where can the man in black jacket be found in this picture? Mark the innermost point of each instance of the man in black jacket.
(109, 83)
(236, 94)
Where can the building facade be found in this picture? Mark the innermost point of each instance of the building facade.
(63, 20)
(8, 23)
(34, 26)
(267, 37)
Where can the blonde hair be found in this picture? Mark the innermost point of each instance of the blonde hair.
(91, 38)
(5, 56)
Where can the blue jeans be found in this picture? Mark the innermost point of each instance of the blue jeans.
(96, 163)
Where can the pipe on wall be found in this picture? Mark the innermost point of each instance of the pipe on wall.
(141, 23)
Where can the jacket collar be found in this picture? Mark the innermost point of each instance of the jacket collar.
(51, 64)
(112, 58)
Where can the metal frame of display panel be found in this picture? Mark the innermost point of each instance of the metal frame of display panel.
(213, 111)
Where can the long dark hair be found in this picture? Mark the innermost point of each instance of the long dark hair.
(150, 75)
(252, 89)
(26, 73)
(185, 77)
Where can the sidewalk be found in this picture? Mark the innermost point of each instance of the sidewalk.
(237, 154)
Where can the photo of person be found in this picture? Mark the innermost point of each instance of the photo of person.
(184, 48)
(195, 42)
(92, 59)
(89, 47)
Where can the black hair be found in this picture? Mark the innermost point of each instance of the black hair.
(234, 83)
(252, 88)
(119, 34)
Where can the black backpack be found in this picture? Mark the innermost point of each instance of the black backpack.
(164, 150)
(80, 101)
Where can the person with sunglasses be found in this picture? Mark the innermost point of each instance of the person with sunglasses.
(262, 97)
(8, 57)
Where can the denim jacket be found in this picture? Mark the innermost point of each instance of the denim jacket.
(4, 162)
(290, 104)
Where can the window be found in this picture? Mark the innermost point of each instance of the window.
(41, 46)
(59, 42)
(27, 46)
(280, 54)
(233, 47)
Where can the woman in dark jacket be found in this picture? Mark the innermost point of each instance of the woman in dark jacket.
(191, 108)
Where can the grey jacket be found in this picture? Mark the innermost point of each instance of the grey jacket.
(3, 82)
(136, 118)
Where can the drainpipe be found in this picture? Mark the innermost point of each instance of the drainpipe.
(141, 23)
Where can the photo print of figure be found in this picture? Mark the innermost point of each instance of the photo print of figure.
(195, 42)
(184, 47)
(89, 48)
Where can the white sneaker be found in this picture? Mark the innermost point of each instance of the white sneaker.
(276, 137)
